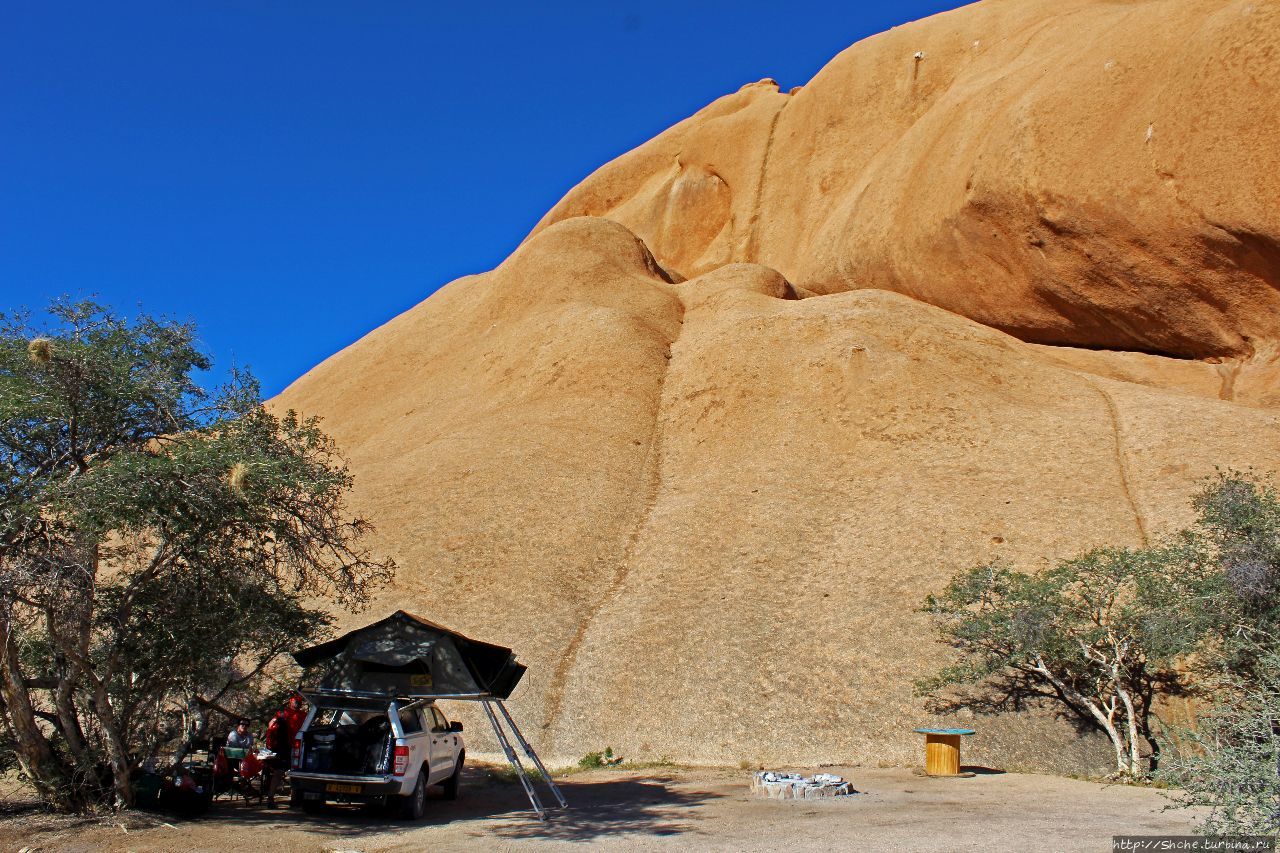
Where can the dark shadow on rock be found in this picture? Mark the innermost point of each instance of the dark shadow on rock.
(1009, 693)
(1017, 692)
(978, 770)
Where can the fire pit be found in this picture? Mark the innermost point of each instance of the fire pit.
(792, 786)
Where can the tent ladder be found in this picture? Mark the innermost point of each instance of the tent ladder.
(510, 753)
(533, 756)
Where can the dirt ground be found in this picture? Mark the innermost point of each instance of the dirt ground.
(667, 808)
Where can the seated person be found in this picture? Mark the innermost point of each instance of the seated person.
(240, 738)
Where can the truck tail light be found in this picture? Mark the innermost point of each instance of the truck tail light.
(401, 760)
(295, 760)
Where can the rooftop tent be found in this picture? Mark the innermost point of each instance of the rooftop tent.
(406, 656)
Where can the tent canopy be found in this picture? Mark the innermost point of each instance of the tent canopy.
(407, 657)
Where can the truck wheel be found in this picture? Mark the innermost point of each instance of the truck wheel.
(450, 785)
(414, 806)
(295, 798)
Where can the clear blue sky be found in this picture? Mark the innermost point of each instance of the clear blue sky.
(292, 173)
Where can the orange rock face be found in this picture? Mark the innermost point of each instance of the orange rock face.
(701, 446)
(1084, 173)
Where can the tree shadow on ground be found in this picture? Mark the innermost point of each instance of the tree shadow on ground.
(13, 808)
(598, 808)
(29, 818)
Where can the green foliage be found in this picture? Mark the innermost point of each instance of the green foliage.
(594, 760)
(160, 545)
(1106, 633)
(1239, 524)
(1230, 763)
(1100, 633)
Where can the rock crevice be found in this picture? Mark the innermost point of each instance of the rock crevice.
(647, 489)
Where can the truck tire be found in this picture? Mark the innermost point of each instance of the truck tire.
(450, 785)
(414, 805)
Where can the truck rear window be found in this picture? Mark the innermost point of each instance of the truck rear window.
(410, 721)
(342, 717)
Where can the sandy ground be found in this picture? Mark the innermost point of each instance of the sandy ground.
(686, 808)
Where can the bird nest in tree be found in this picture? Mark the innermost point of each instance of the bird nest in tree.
(40, 350)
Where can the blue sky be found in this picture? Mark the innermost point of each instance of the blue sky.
(290, 175)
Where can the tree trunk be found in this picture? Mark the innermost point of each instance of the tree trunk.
(1103, 720)
(69, 720)
(117, 752)
(64, 696)
(35, 754)
(1135, 760)
(1122, 758)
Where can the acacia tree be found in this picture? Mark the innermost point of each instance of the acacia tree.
(1099, 634)
(1230, 761)
(160, 545)
(1238, 522)
(1108, 632)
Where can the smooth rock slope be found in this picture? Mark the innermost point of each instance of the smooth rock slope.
(706, 511)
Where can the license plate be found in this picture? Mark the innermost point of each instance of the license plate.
(334, 788)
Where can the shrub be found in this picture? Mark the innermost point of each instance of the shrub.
(1230, 762)
(593, 760)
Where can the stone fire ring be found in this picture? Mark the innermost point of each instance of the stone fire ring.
(792, 786)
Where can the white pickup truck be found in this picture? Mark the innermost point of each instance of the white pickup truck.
(375, 751)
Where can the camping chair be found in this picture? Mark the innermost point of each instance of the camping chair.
(239, 771)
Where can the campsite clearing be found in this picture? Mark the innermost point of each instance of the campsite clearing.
(665, 808)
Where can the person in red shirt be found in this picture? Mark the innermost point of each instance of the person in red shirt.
(296, 713)
(279, 739)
